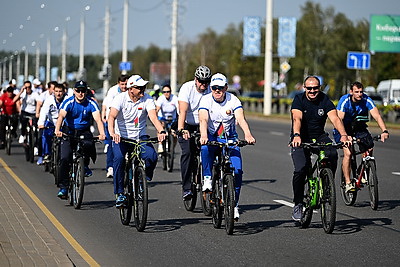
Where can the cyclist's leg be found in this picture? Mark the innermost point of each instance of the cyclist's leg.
(119, 151)
(207, 160)
(301, 161)
(24, 121)
(89, 148)
(47, 139)
(236, 159)
(149, 155)
(65, 159)
(185, 163)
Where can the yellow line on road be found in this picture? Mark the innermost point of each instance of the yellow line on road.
(81, 251)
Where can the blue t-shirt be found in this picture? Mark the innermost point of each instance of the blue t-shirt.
(361, 108)
(79, 115)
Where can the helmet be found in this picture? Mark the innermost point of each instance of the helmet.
(203, 73)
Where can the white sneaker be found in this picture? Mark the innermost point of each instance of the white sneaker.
(350, 188)
(35, 151)
(110, 172)
(106, 148)
(236, 213)
(160, 148)
(21, 139)
(207, 185)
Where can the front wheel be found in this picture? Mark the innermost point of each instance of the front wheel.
(190, 203)
(372, 178)
(140, 198)
(349, 198)
(229, 203)
(8, 142)
(31, 148)
(79, 183)
(327, 200)
(216, 199)
(125, 212)
(308, 210)
(170, 153)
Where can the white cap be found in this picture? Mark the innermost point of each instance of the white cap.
(136, 80)
(218, 79)
(36, 82)
(13, 82)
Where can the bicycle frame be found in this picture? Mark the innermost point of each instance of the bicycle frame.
(358, 169)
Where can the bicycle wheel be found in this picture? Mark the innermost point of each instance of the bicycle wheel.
(372, 178)
(217, 208)
(327, 200)
(229, 203)
(79, 183)
(8, 141)
(26, 148)
(308, 210)
(205, 196)
(125, 212)
(349, 198)
(165, 155)
(56, 166)
(31, 149)
(71, 182)
(170, 153)
(190, 204)
(140, 198)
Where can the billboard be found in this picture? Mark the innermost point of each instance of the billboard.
(287, 37)
(384, 34)
(252, 36)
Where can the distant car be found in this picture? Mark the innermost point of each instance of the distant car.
(292, 94)
(254, 94)
(378, 99)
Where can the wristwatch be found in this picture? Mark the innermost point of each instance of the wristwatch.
(386, 131)
(162, 132)
(296, 135)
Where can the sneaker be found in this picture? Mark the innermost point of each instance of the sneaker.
(160, 148)
(106, 148)
(35, 151)
(120, 201)
(207, 185)
(350, 188)
(39, 161)
(62, 193)
(236, 214)
(187, 195)
(148, 178)
(21, 139)
(297, 212)
(110, 172)
(88, 172)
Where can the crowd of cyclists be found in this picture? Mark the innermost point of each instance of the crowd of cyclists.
(203, 106)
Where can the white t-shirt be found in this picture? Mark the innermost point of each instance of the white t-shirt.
(132, 117)
(49, 111)
(168, 107)
(111, 94)
(189, 94)
(29, 102)
(221, 114)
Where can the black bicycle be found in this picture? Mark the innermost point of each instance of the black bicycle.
(135, 184)
(363, 174)
(223, 184)
(55, 158)
(320, 188)
(47, 159)
(168, 145)
(29, 143)
(8, 121)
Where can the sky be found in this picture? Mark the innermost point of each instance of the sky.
(30, 23)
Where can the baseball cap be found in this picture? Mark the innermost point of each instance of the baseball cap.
(36, 82)
(136, 80)
(13, 82)
(81, 84)
(218, 79)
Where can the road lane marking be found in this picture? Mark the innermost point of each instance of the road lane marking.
(78, 248)
(396, 173)
(289, 204)
(277, 133)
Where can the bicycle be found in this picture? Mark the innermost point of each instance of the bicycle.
(363, 174)
(223, 184)
(47, 159)
(135, 184)
(168, 145)
(55, 158)
(77, 171)
(320, 188)
(29, 143)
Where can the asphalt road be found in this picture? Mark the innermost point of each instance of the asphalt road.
(264, 236)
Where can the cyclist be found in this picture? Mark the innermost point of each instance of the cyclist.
(189, 98)
(167, 106)
(218, 114)
(309, 113)
(105, 110)
(353, 109)
(127, 119)
(48, 117)
(9, 110)
(76, 113)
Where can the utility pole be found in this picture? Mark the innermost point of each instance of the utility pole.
(268, 60)
(125, 35)
(48, 66)
(106, 83)
(10, 68)
(18, 72)
(37, 61)
(26, 65)
(81, 69)
(174, 48)
(64, 56)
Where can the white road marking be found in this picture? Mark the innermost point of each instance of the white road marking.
(396, 173)
(289, 204)
(277, 133)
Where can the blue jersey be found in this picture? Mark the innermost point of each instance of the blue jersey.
(353, 109)
(79, 115)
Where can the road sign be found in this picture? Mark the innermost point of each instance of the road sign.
(358, 60)
(285, 67)
(125, 66)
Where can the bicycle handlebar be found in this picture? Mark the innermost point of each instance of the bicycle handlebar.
(150, 140)
(239, 143)
(321, 145)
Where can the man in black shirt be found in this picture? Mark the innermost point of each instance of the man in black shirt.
(309, 113)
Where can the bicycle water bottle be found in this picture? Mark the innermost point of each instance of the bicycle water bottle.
(313, 182)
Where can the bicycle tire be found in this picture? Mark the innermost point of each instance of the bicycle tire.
(327, 200)
(205, 196)
(125, 212)
(372, 178)
(140, 199)
(308, 210)
(190, 204)
(170, 153)
(229, 203)
(349, 198)
(8, 141)
(26, 149)
(56, 165)
(79, 183)
(31, 146)
(71, 178)
(164, 155)
(216, 200)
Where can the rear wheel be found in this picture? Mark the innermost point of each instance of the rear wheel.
(79, 183)
(8, 141)
(216, 200)
(140, 198)
(190, 204)
(328, 200)
(349, 198)
(31, 149)
(372, 178)
(170, 152)
(229, 203)
(308, 211)
(125, 212)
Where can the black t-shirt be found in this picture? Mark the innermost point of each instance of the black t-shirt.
(315, 114)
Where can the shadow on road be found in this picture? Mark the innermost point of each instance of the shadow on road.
(356, 225)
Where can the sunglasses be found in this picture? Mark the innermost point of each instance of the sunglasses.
(141, 88)
(164, 92)
(204, 81)
(217, 87)
(81, 90)
(315, 88)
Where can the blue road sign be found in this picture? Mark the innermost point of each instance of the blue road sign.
(358, 60)
(125, 66)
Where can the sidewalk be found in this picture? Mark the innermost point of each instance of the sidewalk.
(24, 241)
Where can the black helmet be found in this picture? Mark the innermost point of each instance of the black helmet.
(203, 73)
